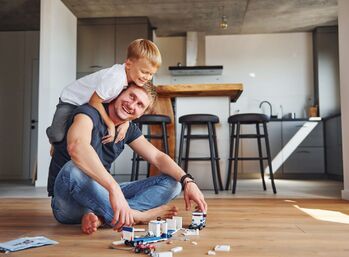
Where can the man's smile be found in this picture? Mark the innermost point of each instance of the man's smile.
(125, 108)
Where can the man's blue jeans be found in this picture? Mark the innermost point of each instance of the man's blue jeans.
(75, 194)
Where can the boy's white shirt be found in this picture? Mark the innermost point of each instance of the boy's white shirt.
(108, 83)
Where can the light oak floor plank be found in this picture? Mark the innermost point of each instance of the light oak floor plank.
(252, 227)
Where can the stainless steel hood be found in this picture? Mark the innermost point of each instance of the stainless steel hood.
(195, 70)
(195, 58)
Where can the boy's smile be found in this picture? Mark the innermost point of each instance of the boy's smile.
(139, 71)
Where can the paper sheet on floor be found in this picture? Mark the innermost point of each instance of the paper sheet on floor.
(25, 243)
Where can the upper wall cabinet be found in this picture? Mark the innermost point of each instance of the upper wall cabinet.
(102, 42)
(96, 47)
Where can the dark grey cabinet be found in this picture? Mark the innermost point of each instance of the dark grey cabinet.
(102, 42)
(308, 157)
(334, 159)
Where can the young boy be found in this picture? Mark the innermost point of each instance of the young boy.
(143, 60)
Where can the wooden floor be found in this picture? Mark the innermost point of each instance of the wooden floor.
(252, 227)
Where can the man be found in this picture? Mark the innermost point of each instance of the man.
(81, 187)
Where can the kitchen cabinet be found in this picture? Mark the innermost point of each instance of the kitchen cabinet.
(308, 158)
(102, 42)
(309, 155)
(125, 33)
(250, 147)
(95, 47)
(334, 157)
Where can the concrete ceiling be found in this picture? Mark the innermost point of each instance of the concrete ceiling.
(175, 17)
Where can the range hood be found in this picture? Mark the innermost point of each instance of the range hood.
(195, 70)
(195, 58)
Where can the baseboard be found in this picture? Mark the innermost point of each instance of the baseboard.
(303, 176)
(345, 194)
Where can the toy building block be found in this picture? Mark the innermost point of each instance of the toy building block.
(155, 227)
(191, 232)
(177, 249)
(139, 230)
(222, 248)
(198, 220)
(171, 224)
(162, 254)
(179, 221)
(145, 248)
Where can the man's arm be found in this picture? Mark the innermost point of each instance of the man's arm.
(166, 165)
(86, 158)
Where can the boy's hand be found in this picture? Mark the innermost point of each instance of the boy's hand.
(122, 129)
(111, 135)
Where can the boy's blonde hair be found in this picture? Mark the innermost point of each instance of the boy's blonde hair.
(144, 48)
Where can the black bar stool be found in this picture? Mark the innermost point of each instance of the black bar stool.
(150, 119)
(244, 119)
(200, 119)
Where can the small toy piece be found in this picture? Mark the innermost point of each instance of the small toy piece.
(194, 243)
(162, 254)
(198, 220)
(139, 230)
(222, 248)
(210, 252)
(145, 248)
(178, 221)
(191, 232)
(177, 249)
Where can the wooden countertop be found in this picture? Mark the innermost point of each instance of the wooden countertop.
(231, 90)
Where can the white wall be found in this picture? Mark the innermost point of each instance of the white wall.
(172, 52)
(273, 67)
(343, 32)
(57, 69)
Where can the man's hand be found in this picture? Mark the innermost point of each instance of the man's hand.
(122, 130)
(122, 212)
(111, 134)
(193, 193)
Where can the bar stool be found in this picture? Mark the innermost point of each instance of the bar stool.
(150, 119)
(248, 119)
(200, 119)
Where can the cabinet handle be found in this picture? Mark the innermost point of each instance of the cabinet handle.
(96, 66)
(304, 151)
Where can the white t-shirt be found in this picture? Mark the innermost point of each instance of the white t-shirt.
(108, 83)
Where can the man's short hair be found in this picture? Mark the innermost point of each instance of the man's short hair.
(144, 48)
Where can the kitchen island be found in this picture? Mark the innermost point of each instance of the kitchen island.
(194, 95)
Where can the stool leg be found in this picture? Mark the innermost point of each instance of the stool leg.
(269, 156)
(230, 158)
(164, 137)
(187, 148)
(260, 155)
(181, 146)
(212, 155)
(137, 167)
(148, 169)
(217, 157)
(133, 171)
(236, 156)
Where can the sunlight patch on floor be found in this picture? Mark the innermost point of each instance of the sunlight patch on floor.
(325, 215)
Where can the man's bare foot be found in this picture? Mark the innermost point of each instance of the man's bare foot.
(89, 223)
(164, 211)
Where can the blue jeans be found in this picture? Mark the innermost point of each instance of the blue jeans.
(75, 194)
